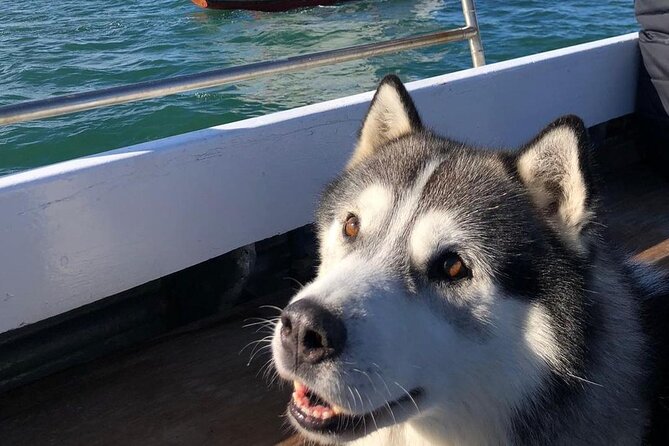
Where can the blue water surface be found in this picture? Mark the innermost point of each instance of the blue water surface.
(68, 46)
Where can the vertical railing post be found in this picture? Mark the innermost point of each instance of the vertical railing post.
(475, 45)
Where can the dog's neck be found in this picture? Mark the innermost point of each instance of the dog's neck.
(402, 434)
(433, 430)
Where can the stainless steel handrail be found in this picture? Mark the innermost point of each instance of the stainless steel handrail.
(475, 45)
(62, 105)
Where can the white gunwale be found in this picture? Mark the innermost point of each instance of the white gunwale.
(78, 231)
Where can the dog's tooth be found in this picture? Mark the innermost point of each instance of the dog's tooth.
(299, 387)
(336, 410)
(326, 414)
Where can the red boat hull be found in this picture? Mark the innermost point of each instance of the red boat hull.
(261, 5)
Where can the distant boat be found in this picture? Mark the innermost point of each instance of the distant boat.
(261, 5)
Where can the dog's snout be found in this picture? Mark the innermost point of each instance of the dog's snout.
(311, 332)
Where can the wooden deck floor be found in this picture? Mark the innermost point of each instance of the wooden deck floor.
(188, 388)
(194, 388)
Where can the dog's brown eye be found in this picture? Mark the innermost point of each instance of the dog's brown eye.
(448, 267)
(352, 226)
(454, 267)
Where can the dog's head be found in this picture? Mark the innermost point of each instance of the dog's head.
(444, 278)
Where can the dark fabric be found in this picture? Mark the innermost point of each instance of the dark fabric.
(653, 93)
(652, 103)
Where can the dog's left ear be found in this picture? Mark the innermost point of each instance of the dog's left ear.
(555, 168)
(391, 114)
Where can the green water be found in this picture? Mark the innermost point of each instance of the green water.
(52, 48)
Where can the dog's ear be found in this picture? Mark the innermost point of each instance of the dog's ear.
(556, 169)
(391, 114)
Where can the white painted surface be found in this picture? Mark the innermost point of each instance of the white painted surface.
(79, 231)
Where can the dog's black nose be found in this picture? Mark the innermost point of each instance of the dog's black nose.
(311, 332)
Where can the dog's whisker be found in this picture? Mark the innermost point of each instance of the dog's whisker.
(352, 409)
(372, 413)
(265, 369)
(583, 379)
(384, 383)
(256, 318)
(362, 404)
(272, 307)
(300, 284)
(409, 395)
(256, 353)
(263, 322)
(366, 376)
(362, 408)
(254, 342)
(390, 410)
(268, 370)
(266, 340)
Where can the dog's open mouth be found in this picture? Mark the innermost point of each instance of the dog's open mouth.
(315, 414)
(311, 411)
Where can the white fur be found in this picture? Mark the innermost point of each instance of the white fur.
(375, 202)
(372, 207)
(387, 119)
(433, 232)
(332, 248)
(404, 209)
(555, 158)
(540, 337)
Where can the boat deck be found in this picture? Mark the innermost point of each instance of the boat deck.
(193, 387)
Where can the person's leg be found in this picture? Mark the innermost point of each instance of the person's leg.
(653, 87)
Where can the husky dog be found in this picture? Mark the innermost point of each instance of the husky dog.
(465, 297)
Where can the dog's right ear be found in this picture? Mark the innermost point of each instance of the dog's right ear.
(391, 114)
(556, 168)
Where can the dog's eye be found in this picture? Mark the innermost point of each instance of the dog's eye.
(351, 226)
(448, 267)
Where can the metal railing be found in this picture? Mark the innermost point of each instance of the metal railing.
(62, 105)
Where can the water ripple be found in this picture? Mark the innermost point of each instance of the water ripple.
(72, 45)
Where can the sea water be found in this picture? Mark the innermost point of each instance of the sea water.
(50, 48)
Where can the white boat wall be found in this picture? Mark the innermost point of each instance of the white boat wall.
(79, 231)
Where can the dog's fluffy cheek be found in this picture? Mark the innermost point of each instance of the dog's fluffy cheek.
(399, 341)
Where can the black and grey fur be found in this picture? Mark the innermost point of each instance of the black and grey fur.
(541, 339)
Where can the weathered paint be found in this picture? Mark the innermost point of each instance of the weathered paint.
(81, 230)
